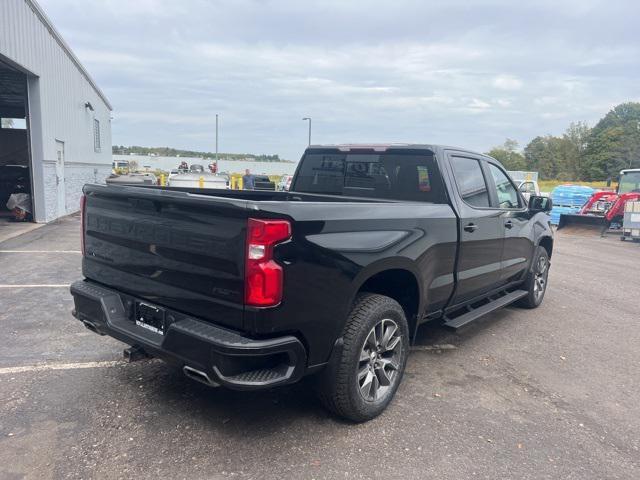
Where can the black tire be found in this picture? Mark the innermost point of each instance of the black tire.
(536, 280)
(342, 388)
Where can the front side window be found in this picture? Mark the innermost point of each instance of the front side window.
(470, 181)
(629, 182)
(507, 194)
(389, 175)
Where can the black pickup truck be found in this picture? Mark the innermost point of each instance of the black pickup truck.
(252, 289)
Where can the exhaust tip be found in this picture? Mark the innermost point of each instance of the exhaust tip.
(199, 376)
(90, 326)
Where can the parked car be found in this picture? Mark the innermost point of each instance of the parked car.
(252, 290)
(262, 182)
(119, 166)
(528, 188)
(285, 183)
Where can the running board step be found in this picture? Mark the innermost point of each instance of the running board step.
(482, 310)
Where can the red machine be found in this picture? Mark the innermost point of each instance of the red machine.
(607, 208)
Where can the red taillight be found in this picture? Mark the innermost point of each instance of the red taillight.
(83, 206)
(263, 276)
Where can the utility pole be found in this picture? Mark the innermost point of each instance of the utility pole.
(309, 119)
(216, 141)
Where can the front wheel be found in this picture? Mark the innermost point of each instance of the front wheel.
(372, 361)
(536, 283)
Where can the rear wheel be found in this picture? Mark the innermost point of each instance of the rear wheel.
(370, 366)
(536, 283)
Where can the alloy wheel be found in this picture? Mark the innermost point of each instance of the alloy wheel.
(540, 277)
(379, 360)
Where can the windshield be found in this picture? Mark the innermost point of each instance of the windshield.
(390, 175)
(629, 182)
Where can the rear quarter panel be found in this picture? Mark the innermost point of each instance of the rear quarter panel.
(336, 247)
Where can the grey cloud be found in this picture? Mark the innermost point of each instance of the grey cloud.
(445, 72)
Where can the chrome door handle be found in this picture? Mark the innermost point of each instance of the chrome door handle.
(472, 227)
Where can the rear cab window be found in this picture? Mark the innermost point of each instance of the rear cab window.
(392, 175)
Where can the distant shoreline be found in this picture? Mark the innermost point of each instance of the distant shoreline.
(166, 163)
(222, 159)
(164, 152)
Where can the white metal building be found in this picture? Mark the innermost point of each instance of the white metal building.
(55, 120)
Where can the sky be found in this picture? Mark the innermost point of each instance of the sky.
(463, 73)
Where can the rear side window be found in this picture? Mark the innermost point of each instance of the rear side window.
(389, 175)
(470, 181)
(507, 195)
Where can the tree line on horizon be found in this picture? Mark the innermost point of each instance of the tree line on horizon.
(174, 152)
(581, 153)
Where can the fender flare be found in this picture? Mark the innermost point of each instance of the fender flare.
(392, 263)
(537, 244)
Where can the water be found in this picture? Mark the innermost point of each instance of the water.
(229, 166)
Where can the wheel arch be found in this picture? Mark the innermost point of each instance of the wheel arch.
(546, 242)
(397, 280)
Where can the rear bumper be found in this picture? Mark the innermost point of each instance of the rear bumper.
(223, 356)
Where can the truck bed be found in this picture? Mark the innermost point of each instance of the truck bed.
(185, 248)
(267, 196)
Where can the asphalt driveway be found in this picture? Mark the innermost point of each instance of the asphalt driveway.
(546, 393)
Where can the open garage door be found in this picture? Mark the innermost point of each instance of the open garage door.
(15, 164)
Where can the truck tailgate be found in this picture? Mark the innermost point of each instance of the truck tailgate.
(172, 249)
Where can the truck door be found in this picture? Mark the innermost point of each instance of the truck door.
(481, 230)
(518, 246)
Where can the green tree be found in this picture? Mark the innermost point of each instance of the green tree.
(559, 157)
(614, 143)
(576, 141)
(508, 155)
(540, 156)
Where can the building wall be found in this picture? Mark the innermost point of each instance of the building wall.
(58, 90)
(76, 176)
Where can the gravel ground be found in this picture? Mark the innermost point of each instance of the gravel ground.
(547, 393)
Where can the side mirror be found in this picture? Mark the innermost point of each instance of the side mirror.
(538, 204)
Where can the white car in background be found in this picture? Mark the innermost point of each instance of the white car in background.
(284, 183)
(528, 188)
(527, 182)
